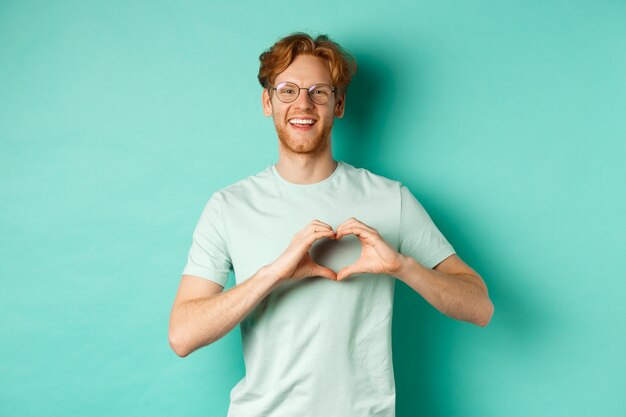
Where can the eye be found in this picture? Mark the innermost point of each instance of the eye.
(319, 91)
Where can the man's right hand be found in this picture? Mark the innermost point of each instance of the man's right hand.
(202, 313)
(295, 263)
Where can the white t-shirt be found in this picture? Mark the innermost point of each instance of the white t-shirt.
(314, 347)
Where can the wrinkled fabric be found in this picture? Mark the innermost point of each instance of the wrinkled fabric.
(314, 347)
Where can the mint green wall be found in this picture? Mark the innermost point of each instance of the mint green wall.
(118, 120)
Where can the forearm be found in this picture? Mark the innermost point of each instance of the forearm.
(460, 296)
(201, 321)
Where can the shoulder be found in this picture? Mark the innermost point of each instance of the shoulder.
(364, 176)
(242, 189)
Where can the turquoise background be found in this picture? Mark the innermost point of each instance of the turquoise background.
(118, 120)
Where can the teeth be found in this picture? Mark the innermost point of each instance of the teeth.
(301, 121)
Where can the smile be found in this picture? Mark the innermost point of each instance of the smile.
(302, 121)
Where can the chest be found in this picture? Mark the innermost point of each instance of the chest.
(260, 230)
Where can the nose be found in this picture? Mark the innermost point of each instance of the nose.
(304, 101)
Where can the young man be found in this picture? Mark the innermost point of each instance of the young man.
(316, 246)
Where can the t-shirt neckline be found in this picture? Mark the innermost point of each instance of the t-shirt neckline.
(323, 182)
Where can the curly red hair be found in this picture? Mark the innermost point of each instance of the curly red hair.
(275, 60)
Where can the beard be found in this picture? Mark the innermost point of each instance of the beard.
(312, 146)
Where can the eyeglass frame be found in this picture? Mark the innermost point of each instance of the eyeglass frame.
(332, 90)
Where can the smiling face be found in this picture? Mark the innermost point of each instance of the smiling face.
(303, 127)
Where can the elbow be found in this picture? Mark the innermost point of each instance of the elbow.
(179, 344)
(486, 315)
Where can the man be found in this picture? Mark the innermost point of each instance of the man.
(316, 246)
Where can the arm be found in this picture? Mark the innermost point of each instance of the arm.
(452, 287)
(202, 313)
(199, 302)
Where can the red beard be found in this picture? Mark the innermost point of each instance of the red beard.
(313, 146)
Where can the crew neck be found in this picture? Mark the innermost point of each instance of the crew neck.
(326, 180)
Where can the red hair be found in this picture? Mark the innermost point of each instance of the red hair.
(275, 60)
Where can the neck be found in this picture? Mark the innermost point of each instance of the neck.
(304, 169)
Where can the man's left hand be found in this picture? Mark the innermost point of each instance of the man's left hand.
(377, 257)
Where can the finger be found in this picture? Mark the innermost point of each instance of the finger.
(314, 226)
(359, 231)
(347, 222)
(316, 221)
(347, 271)
(316, 235)
(317, 226)
(322, 271)
(352, 221)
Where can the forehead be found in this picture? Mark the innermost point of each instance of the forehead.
(306, 70)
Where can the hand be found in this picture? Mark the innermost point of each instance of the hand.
(377, 257)
(295, 262)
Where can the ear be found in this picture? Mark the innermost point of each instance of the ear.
(340, 106)
(267, 103)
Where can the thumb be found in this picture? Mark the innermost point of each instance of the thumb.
(322, 271)
(347, 271)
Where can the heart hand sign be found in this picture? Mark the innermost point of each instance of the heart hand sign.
(377, 257)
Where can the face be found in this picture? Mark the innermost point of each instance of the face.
(304, 71)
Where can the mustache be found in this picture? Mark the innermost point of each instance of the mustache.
(303, 114)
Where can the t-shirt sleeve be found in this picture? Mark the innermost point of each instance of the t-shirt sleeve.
(419, 238)
(208, 256)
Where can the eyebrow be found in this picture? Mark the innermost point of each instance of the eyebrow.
(312, 84)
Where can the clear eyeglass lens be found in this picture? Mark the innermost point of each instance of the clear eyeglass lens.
(320, 93)
(288, 92)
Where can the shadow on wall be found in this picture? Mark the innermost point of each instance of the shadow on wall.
(433, 370)
(370, 104)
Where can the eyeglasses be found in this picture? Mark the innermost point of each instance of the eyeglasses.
(288, 92)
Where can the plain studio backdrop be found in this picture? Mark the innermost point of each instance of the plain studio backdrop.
(119, 119)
